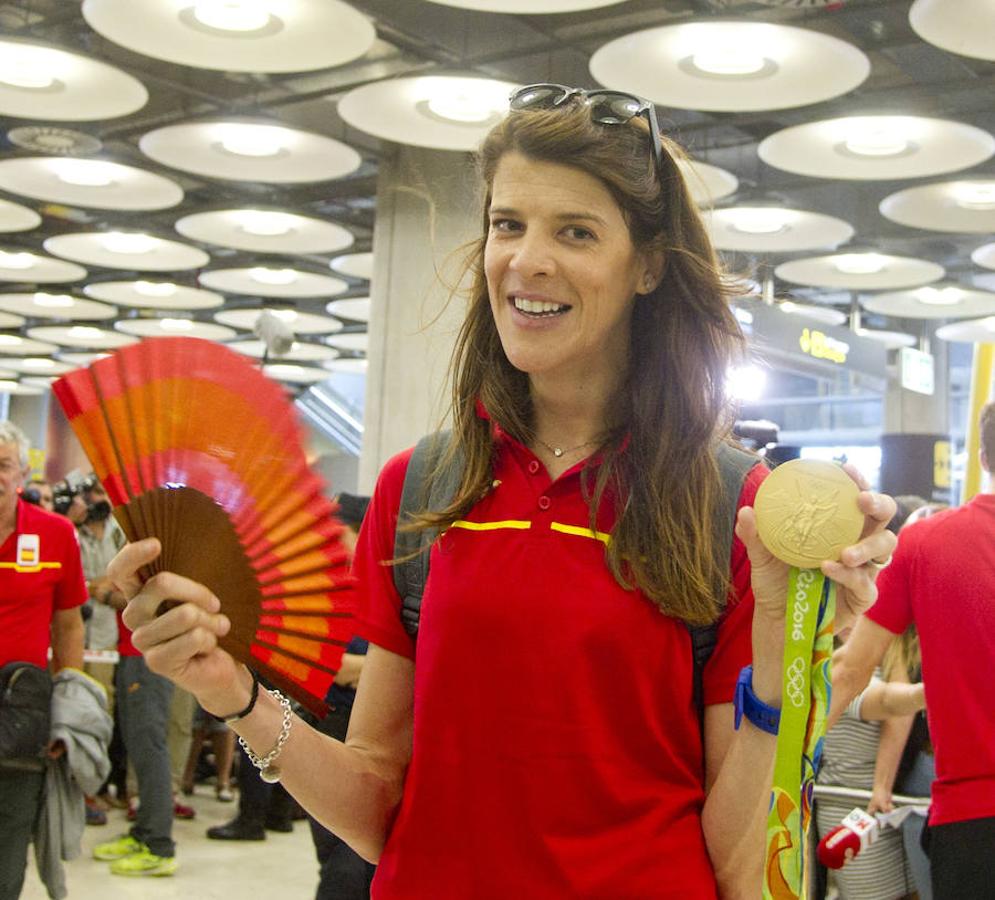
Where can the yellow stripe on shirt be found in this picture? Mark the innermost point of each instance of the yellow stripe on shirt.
(581, 532)
(515, 524)
(37, 567)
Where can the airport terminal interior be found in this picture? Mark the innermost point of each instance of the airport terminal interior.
(294, 179)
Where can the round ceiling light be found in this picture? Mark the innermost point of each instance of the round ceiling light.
(355, 265)
(92, 183)
(352, 342)
(527, 7)
(265, 231)
(14, 344)
(126, 250)
(80, 359)
(707, 183)
(43, 305)
(860, 271)
(250, 151)
(774, 229)
(298, 322)
(36, 365)
(80, 336)
(954, 206)
(41, 82)
(175, 327)
(984, 256)
(356, 309)
(20, 389)
(19, 265)
(730, 66)
(162, 295)
(236, 35)
(261, 281)
(825, 314)
(9, 320)
(298, 352)
(877, 147)
(295, 374)
(892, 340)
(981, 331)
(14, 217)
(944, 301)
(971, 32)
(350, 366)
(445, 112)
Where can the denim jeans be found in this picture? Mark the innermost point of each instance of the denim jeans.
(918, 784)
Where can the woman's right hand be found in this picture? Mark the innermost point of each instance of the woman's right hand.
(181, 644)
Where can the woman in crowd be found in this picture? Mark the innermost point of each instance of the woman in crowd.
(545, 742)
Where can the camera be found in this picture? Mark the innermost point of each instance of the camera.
(62, 496)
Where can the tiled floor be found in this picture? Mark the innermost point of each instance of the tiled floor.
(282, 866)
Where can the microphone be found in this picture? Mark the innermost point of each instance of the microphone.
(857, 831)
(275, 333)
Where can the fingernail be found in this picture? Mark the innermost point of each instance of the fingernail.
(223, 625)
(214, 604)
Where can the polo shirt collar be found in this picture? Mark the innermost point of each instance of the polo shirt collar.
(502, 437)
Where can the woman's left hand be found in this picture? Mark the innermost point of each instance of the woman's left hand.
(854, 574)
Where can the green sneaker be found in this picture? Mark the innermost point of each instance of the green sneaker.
(119, 848)
(145, 862)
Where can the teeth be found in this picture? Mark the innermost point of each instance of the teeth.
(538, 306)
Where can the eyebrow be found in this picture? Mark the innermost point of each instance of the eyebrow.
(571, 216)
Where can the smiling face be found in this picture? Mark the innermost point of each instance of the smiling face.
(561, 269)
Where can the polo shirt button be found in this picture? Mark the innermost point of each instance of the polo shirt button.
(545, 502)
(533, 467)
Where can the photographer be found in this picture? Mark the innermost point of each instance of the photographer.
(39, 492)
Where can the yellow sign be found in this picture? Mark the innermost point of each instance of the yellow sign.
(36, 460)
(941, 464)
(820, 345)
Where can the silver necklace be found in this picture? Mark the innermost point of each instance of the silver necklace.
(560, 451)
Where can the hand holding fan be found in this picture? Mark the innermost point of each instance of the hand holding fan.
(196, 447)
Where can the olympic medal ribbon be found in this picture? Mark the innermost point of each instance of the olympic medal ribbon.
(804, 695)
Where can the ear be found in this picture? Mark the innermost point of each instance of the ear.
(654, 263)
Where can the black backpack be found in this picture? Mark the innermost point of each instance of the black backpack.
(25, 711)
(412, 547)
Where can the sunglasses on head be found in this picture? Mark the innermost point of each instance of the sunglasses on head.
(606, 108)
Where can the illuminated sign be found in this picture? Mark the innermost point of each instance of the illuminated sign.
(941, 464)
(917, 370)
(820, 345)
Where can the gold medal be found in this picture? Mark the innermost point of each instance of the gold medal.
(807, 511)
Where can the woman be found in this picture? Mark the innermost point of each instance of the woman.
(546, 742)
(861, 753)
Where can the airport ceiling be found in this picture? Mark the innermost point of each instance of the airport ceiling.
(908, 77)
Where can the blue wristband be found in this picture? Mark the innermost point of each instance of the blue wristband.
(746, 703)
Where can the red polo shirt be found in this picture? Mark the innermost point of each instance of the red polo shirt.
(557, 751)
(40, 573)
(942, 578)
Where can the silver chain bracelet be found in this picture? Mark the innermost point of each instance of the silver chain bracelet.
(269, 772)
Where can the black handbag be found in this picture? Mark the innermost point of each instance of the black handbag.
(25, 713)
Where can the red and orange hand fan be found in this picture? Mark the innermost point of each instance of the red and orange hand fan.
(195, 446)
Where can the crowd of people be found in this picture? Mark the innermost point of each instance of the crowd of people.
(534, 717)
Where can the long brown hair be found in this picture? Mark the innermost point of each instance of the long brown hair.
(658, 464)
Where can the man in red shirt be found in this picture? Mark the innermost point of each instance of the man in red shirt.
(41, 590)
(942, 578)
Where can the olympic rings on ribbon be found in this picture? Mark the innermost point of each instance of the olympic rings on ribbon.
(795, 685)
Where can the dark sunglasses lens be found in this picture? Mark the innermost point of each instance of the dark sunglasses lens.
(614, 109)
(538, 96)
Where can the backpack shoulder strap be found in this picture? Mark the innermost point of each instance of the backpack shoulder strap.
(412, 548)
(734, 464)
